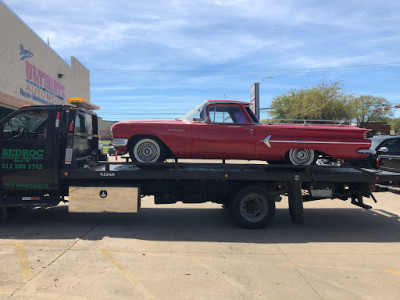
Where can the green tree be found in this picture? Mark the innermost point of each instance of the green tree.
(323, 102)
(395, 124)
(369, 108)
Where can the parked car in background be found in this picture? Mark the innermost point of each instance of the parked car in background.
(227, 129)
(387, 152)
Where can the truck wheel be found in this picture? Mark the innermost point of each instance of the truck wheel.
(147, 150)
(301, 157)
(252, 207)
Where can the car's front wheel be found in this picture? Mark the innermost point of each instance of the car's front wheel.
(147, 150)
(301, 157)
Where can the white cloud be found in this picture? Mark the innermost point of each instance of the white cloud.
(204, 32)
(214, 36)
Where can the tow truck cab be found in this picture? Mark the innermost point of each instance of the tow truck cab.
(37, 141)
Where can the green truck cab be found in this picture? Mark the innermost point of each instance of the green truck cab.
(37, 141)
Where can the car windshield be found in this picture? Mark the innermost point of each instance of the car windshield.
(195, 115)
(375, 142)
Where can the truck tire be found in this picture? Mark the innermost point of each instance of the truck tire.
(147, 150)
(252, 207)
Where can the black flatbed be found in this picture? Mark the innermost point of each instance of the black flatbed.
(220, 171)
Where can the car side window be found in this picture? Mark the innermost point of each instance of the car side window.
(393, 146)
(27, 124)
(220, 116)
(226, 114)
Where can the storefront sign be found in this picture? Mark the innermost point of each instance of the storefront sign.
(40, 86)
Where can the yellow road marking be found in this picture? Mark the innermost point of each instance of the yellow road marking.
(142, 289)
(393, 272)
(23, 262)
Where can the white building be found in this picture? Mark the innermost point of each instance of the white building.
(31, 73)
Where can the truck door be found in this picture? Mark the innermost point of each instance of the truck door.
(27, 145)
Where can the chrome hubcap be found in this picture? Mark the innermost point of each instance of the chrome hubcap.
(147, 151)
(301, 156)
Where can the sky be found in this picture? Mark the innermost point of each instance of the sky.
(157, 59)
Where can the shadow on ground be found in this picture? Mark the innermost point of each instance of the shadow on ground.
(211, 225)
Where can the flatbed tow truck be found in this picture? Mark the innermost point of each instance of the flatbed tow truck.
(50, 154)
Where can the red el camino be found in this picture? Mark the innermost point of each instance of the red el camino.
(225, 129)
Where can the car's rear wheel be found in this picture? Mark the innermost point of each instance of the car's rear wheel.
(301, 157)
(147, 150)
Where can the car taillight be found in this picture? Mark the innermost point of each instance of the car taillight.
(377, 162)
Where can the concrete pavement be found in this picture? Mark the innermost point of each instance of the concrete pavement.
(194, 251)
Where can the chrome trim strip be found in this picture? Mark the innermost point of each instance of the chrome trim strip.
(367, 151)
(119, 142)
(268, 140)
(318, 142)
(337, 127)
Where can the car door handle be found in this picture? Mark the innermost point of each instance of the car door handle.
(250, 129)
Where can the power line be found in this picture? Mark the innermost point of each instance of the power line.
(207, 72)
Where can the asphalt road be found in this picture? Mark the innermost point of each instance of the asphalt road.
(194, 251)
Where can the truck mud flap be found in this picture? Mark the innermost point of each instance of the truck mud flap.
(296, 202)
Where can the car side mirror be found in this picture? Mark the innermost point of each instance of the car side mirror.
(383, 149)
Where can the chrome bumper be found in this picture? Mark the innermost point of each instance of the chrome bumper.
(119, 142)
(367, 151)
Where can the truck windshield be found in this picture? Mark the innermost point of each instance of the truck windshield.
(27, 124)
(195, 115)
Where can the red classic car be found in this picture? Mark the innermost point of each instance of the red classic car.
(226, 129)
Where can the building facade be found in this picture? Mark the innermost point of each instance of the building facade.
(31, 73)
